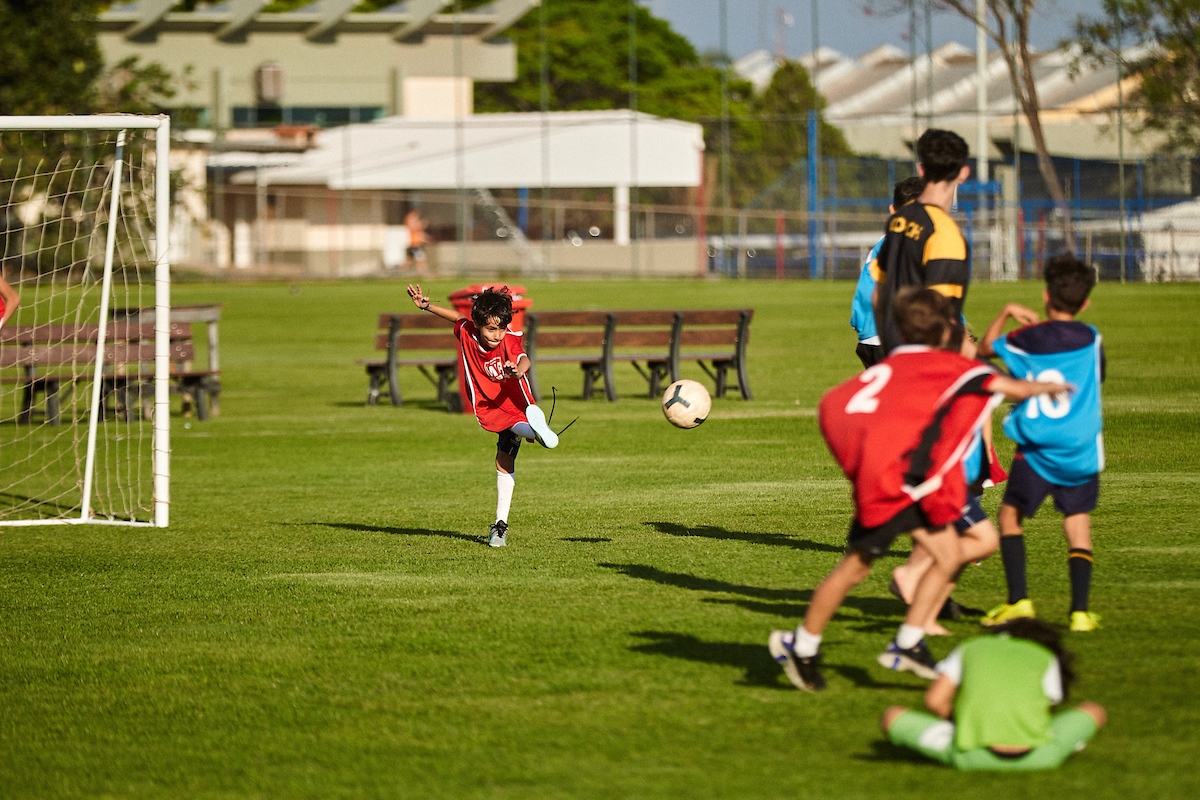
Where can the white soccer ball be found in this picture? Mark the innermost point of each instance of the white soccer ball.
(686, 403)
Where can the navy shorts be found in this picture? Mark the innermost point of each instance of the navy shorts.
(1026, 490)
(973, 514)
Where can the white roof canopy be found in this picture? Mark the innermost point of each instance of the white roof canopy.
(570, 149)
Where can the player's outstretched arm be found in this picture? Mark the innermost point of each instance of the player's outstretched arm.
(11, 300)
(939, 698)
(1016, 389)
(422, 302)
(1023, 316)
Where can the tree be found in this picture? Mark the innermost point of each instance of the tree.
(1008, 24)
(1169, 95)
(49, 59)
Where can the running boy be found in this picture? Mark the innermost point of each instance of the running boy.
(899, 431)
(1060, 446)
(999, 691)
(862, 313)
(494, 366)
(922, 245)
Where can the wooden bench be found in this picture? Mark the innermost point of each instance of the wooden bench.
(422, 332)
(660, 340)
(50, 358)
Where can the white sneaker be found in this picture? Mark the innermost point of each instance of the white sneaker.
(537, 420)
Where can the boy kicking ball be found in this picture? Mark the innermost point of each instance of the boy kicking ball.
(900, 430)
(494, 366)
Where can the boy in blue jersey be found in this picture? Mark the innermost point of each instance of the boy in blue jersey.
(862, 312)
(1060, 446)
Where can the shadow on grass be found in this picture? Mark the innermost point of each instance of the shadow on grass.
(760, 668)
(772, 539)
(883, 750)
(713, 532)
(781, 602)
(424, 405)
(585, 539)
(360, 528)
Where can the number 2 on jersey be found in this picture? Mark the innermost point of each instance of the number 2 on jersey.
(866, 400)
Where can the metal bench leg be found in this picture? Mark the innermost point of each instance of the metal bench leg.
(722, 370)
(589, 380)
(201, 395)
(52, 405)
(374, 383)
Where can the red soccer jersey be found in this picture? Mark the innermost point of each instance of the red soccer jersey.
(499, 401)
(900, 430)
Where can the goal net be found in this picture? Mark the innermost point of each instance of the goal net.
(85, 357)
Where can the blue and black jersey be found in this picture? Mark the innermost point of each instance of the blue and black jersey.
(1062, 439)
(862, 313)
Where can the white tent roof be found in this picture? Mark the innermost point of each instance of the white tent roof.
(573, 149)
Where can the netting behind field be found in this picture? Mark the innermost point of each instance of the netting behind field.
(56, 188)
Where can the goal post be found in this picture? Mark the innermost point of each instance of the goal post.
(77, 192)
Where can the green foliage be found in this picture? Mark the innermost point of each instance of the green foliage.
(49, 59)
(587, 67)
(1169, 94)
(322, 620)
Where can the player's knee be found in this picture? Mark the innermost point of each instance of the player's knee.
(1095, 711)
(890, 716)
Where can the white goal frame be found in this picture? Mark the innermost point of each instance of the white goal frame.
(161, 441)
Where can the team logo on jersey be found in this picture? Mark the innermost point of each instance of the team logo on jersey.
(914, 230)
(494, 369)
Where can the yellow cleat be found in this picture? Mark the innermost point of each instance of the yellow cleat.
(1008, 611)
(1084, 621)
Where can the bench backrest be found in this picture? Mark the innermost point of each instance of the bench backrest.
(55, 333)
(120, 354)
(421, 332)
(578, 330)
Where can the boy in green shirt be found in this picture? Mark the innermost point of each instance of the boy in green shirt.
(998, 690)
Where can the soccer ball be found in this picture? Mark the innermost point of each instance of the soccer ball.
(685, 404)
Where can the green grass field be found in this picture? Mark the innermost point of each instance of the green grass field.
(323, 620)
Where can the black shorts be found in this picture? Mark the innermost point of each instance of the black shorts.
(973, 514)
(869, 354)
(1026, 490)
(874, 542)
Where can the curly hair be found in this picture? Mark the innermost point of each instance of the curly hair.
(492, 304)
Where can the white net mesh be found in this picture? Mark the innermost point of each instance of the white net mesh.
(56, 188)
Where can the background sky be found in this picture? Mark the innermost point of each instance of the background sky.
(843, 25)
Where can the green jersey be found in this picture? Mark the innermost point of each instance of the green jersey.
(1005, 689)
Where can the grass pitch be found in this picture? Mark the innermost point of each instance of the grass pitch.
(322, 618)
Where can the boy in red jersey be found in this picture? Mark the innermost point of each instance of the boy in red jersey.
(494, 365)
(900, 430)
(8, 301)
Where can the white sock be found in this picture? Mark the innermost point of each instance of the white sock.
(806, 644)
(504, 489)
(909, 636)
(524, 430)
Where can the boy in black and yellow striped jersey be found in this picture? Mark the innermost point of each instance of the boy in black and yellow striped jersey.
(923, 246)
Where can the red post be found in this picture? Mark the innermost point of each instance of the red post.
(702, 222)
(1041, 248)
(779, 231)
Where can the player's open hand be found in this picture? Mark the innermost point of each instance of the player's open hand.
(418, 298)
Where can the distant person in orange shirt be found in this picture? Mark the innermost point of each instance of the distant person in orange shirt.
(414, 256)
